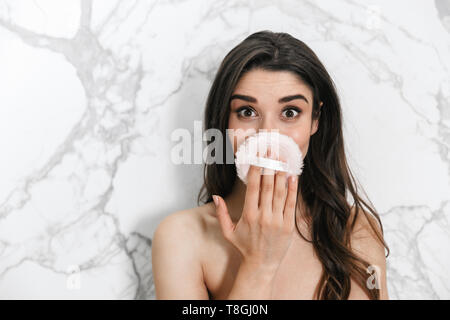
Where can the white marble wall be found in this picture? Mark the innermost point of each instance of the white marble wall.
(91, 91)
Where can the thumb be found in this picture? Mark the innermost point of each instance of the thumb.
(226, 224)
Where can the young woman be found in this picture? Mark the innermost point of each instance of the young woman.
(264, 240)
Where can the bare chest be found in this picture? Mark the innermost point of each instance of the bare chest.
(296, 279)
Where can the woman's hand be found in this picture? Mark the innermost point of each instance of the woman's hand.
(267, 223)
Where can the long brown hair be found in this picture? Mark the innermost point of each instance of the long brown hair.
(326, 177)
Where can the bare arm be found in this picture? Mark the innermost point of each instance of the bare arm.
(176, 267)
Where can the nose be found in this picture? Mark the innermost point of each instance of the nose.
(268, 124)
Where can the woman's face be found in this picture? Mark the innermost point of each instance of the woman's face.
(255, 106)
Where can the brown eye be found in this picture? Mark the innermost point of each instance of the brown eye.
(244, 112)
(291, 112)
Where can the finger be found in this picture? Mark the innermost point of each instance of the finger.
(267, 183)
(226, 224)
(252, 191)
(280, 193)
(290, 205)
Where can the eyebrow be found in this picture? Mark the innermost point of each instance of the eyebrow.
(281, 100)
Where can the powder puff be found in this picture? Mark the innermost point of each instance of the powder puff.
(286, 155)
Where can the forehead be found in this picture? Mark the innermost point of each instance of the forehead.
(272, 83)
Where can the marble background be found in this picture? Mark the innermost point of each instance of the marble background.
(90, 92)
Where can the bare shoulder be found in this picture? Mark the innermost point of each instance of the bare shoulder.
(177, 248)
(186, 228)
(366, 235)
(366, 226)
(365, 243)
(192, 222)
